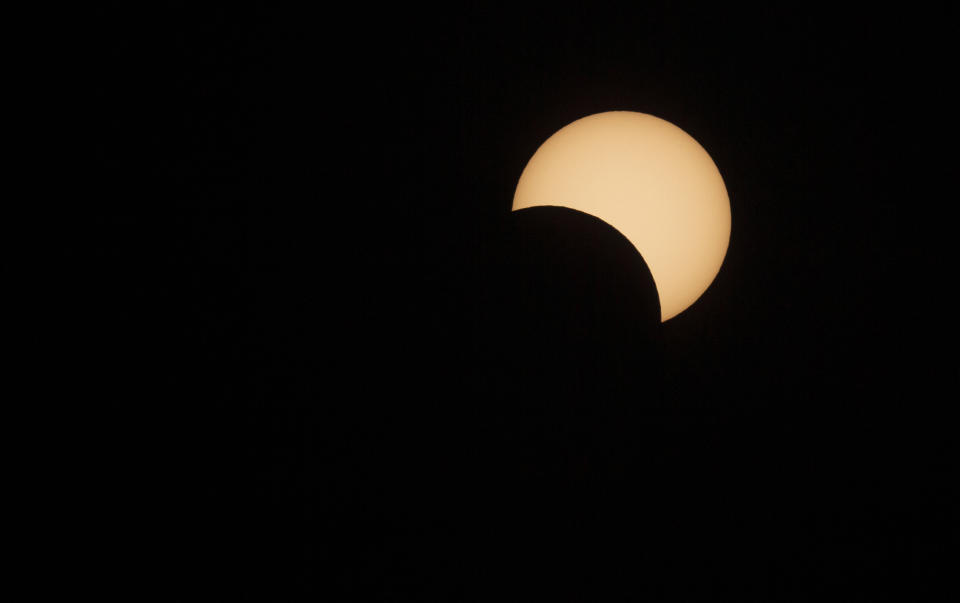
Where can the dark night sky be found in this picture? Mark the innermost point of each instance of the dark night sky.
(320, 362)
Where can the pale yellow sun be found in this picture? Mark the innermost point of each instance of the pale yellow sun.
(652, 182)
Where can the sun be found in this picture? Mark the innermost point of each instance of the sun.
(652, 182)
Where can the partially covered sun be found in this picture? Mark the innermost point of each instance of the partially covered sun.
(651, 181)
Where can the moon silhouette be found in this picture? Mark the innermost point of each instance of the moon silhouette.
(652, 182)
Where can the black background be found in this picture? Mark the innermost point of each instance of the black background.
(340, 369)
